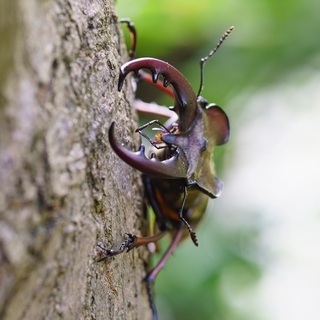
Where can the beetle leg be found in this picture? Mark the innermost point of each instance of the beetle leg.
(151, 109)
(143, 76)
(151, 276)
(131, 243)
(112, 252)
(133, 36)
(191, 232)
(155, 143)
(142, 241)
(158, 144)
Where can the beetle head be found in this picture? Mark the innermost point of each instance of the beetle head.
(209, 129)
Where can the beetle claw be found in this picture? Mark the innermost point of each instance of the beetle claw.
(194, 238)
(126, 245)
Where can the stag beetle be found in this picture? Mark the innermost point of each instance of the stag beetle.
(178, 175)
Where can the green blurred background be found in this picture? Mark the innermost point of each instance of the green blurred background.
(259, 254)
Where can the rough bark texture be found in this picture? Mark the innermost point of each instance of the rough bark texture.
(62, 189)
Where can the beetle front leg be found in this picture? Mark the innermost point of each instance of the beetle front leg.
(126, 245)
(143, 76)
(129, 244)
(150, 123)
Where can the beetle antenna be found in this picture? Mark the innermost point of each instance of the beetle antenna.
(211, 53)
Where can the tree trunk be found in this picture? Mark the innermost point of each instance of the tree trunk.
(62, 189)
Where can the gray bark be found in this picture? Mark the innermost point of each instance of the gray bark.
(62, 189)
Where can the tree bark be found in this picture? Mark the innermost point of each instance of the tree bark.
(63, 190)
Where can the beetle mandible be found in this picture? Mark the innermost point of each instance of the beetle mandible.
(178, 175)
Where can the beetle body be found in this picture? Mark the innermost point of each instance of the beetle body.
(179, 174)
(186, 157)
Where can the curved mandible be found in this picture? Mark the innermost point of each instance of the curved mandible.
(185, 102)
(173, 168)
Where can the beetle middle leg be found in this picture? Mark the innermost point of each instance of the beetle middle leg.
(180, 215)
(152, 274)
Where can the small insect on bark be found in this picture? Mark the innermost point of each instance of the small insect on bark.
(178, 175)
